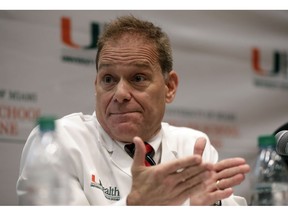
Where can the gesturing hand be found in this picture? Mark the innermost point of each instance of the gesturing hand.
(166, 184)
(226, 174)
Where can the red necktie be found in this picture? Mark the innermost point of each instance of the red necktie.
(130, 149)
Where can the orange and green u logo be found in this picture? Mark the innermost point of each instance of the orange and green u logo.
(278, 64)
(66, 29)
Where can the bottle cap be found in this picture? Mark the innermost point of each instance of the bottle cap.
(46, 123)
(266, 140)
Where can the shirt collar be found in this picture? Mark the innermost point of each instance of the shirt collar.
(154, 141)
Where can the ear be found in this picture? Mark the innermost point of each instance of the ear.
(171, 84)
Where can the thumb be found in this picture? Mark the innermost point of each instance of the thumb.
(140, 151)
(199, 146)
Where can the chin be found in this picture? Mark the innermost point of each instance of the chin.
(124, 135)
(125, 139)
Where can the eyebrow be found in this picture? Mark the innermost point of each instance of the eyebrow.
(140, 64)
(104, 65)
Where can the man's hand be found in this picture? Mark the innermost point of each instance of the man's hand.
(227, 173)
(166, 184)
(230, 172)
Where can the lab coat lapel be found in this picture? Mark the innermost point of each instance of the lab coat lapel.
(121, 159)
(169, 152)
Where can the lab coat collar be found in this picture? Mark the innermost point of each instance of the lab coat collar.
(169, 145)
(118, 156)
(123, 161)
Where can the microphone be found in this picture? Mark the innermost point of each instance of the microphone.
(282, 143)
(281, 128)
(281, 135)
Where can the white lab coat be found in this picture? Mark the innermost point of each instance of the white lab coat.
(100, 169)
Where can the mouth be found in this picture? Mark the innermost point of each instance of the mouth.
(122, 113)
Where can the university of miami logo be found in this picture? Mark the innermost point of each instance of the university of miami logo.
(75, 52)
(278, 65)
(272, 73)
(66, 34)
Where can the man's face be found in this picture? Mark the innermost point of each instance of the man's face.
(130, 89)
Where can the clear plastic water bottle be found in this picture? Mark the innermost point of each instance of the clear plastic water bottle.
(269, 179)
(46, 182)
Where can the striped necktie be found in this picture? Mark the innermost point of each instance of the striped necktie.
(130, 149)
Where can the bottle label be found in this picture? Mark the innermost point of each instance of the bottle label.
(270, 194)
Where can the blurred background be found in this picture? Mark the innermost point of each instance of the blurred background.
(232, 66)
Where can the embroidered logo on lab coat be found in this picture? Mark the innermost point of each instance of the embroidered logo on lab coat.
(111, 193)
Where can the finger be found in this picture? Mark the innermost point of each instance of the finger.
(199, 146)
(200, 177)
(191, 172)
(227, 163)
(221, 194)
(229, 172)
(178, 165)
(211, 197)
(194, 183)
(230, 182)
(139, 155)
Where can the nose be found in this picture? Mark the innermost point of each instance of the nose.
(122, 92)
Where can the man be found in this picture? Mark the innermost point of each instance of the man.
(134, 82)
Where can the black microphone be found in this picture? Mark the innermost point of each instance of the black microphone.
(282, 143)
(281, 135)
(281, 128)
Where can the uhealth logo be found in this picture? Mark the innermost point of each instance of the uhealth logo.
(110, 193)
(73, 51)
(275, 72)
